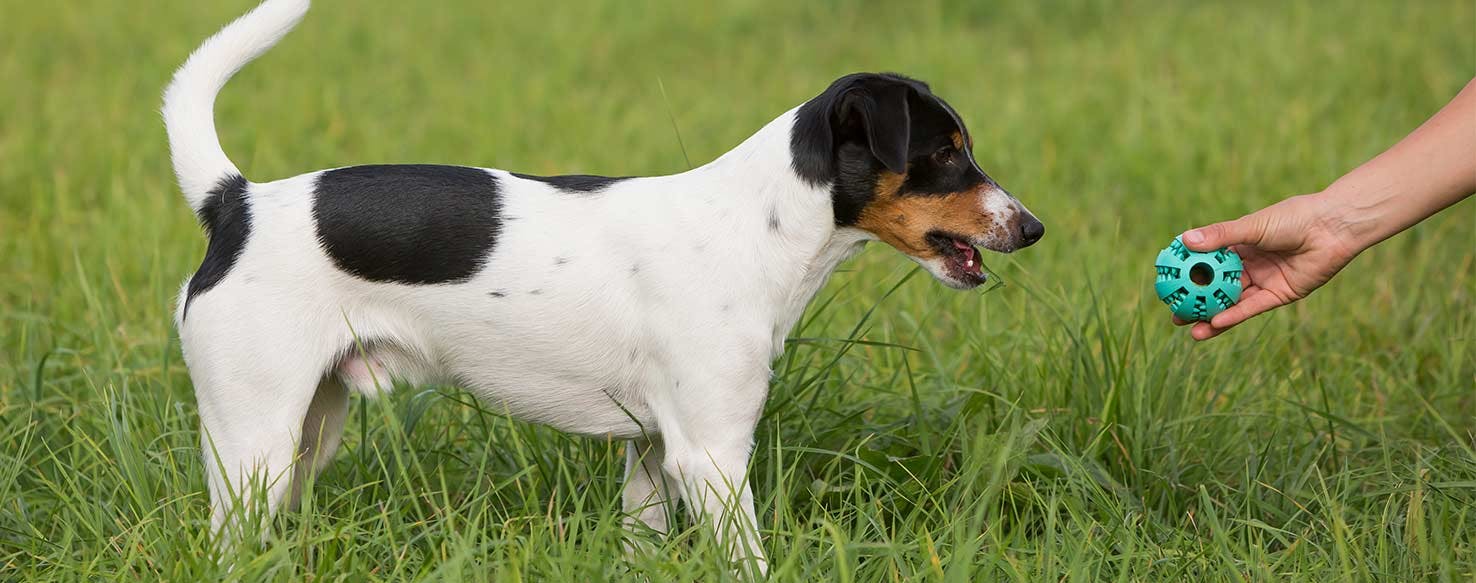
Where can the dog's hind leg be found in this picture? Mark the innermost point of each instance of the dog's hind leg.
(322, 431)
(255, 380)
(249, 430)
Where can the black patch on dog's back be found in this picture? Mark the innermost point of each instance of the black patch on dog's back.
(226, 218)
(411, 224)
(581, 183)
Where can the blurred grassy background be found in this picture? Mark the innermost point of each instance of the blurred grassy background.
(1055, 428)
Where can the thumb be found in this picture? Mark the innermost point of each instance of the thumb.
(1225, 234)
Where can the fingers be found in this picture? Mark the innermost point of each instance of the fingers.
(1225, 234)
(1255, 301)
(1249, 290)
(1204, 331)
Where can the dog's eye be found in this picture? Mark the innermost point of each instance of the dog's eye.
(945, 155)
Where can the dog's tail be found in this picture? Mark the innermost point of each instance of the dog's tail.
(189, 101)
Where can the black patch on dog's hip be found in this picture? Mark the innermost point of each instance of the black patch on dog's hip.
(582, 183)
(412, 224)
(226, 218)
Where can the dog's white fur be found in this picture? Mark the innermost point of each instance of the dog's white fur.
(661, 331)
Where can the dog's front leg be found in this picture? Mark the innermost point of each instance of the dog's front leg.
(649, 494)
(708, 436)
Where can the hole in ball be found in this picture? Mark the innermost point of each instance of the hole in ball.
(1201, 274)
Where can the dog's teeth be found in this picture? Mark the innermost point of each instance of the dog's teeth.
(970, 263)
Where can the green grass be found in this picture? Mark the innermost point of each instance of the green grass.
(1056, 428)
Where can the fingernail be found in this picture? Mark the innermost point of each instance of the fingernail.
(1193, 237)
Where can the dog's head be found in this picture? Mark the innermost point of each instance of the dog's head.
(900, 165)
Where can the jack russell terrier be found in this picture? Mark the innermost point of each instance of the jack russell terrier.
(572, 301)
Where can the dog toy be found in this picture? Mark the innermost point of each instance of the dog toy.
(1197, 285)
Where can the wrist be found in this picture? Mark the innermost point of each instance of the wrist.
(1346, 220)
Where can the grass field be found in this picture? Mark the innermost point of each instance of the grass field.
(1055, 428)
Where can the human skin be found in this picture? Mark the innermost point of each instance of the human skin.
(1293, 247)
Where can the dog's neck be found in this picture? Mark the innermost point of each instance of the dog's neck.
(799, 216)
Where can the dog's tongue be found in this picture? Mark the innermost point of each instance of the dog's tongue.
(968, 252)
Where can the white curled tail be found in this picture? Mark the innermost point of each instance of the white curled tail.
(189, 101)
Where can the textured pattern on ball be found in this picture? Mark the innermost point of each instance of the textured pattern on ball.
(1218, 287)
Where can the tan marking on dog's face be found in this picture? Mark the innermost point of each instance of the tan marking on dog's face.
(958, 140)
(905, 221)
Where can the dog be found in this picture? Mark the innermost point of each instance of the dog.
(647, 309)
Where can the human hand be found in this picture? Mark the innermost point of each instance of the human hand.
(1289, 249)
(1293, 247)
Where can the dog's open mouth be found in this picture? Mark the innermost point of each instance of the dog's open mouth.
(961, 258)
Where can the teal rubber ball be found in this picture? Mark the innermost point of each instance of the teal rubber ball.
(1197, 285)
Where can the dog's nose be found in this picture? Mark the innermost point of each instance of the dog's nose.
(1031, 230)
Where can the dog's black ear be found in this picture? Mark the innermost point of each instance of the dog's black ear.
(881, 106)
(863, 104)
(812, 140)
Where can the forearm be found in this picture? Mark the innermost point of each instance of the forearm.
(1430, 169)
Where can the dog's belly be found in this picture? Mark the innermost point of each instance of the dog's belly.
(540, 358)
(511, 385)
(565, 402)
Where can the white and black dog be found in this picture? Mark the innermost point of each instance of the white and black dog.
(587, 303)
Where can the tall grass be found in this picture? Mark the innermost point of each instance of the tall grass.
(1054, 428)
